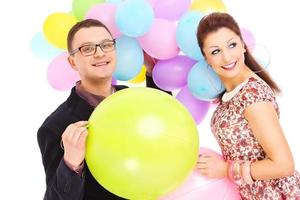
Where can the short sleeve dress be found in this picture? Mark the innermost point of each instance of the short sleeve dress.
(238, 142)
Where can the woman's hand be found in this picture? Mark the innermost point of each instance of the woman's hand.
(73, 139)
(212, 166)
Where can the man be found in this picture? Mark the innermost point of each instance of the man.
(62, 136)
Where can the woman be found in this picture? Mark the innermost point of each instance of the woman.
(245, 123)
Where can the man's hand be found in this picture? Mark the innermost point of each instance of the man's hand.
(73, 139)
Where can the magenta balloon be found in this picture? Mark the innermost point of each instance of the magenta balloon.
(248, 38)
(199, 187)
(172, 74)
(106, 14)
(171, 9)
(160, 41)
(197, 108)
(60, 74)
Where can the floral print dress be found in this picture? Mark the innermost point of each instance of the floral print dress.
(238, 142)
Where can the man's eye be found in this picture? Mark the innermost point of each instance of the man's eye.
(88, 48)
(107, 45)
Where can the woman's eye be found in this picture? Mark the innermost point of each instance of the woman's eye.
(232, 45)
(214, 52)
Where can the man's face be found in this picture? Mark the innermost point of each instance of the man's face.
(93, 63)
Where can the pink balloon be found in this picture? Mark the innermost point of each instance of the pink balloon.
(172, 74)
(207, 151)
(198, 187)
(60, 74)
(171, 9)
(106, 14)
(160, 41)
(152, 2)
(248, 38)
(197, 108)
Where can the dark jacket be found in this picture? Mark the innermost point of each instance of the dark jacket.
(63, 183)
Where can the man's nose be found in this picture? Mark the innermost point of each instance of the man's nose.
(98, 51)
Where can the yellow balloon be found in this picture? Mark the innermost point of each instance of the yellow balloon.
(140, 77)
(208, 6)
(56, 28)
(142, 143)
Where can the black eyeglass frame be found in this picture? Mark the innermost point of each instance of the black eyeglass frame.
(96, 45)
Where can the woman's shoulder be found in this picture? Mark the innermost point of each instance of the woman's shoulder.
(256, 87)
(256, 90)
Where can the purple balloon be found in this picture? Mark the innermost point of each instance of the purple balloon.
(197, 108)
(171, 9)
(172, 74)
(114, 81)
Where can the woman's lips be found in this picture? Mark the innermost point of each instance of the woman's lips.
(229, 66)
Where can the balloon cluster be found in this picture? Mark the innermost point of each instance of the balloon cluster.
(164, 29)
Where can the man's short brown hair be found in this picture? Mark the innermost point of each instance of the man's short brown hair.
(83, 24)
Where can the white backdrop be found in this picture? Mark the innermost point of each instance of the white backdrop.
(27, 98)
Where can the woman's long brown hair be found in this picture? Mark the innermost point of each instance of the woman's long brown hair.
(217, 20)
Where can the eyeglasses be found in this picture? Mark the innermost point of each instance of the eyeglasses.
(90, 49)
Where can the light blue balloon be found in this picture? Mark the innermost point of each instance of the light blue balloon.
(134, 17)
(262, 55)
(130, 58)
(263, 62)
(42, 49)
(204, 83)
(186, 34)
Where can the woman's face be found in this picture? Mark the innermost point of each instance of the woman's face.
(224, 51)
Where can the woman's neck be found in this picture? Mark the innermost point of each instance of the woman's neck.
(231, 83)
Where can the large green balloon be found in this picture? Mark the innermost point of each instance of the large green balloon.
(80, 7)
(142, 143)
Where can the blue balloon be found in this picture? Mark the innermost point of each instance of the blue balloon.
(204, 83)
(130, 58)
(186, 34)
(42, 49)
(134, 17)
